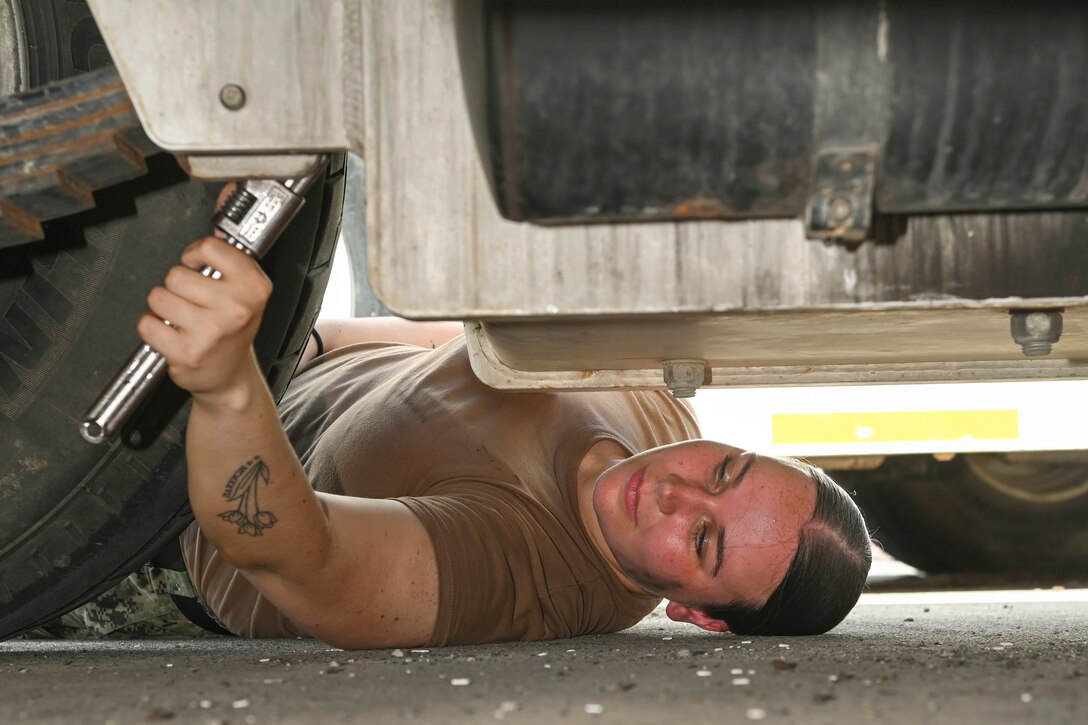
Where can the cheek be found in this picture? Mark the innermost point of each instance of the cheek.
(669, 545)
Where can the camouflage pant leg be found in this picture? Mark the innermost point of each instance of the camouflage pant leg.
(138, 607)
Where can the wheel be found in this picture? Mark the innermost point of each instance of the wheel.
(985, 513)
(75, 517)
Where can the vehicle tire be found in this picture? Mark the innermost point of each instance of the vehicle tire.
(979, 513)
(76, 517)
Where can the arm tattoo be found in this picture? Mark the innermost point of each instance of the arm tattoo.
(242, 487)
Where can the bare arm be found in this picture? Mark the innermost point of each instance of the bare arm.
(338, 333)
(354, 572)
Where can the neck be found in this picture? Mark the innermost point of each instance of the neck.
(601, 456)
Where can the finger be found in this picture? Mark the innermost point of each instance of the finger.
(162, 338)
(181, 313)
(198, 288)
(227, 259)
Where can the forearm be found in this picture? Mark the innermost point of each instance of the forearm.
(247, 488)
(338, 333)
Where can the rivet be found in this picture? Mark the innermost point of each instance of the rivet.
(232, 96)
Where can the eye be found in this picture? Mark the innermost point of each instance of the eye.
(700, 539)
(719, 472)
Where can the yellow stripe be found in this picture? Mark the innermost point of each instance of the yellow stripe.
(914, 425)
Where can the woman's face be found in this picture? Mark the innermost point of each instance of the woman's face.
(703, 523)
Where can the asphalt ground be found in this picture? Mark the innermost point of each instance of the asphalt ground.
(952, 650)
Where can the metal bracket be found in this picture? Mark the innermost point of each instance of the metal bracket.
(251, 166)
(260, 80)
(840, 202)
(851, 89)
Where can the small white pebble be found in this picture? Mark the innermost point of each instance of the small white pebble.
(351, 675)
(505, 709)
(999, 648)
(833, 678)
(746, 641)
(1005, 644)
(1025, 697)
(275, 681)
(541, 654)
(784, 646)
(702, 673)
(593, 708)
(741, 681)
(264, 659)
(420, 651)
(205, 704)
(736, 671)
(717, 649)
(460, 681)
(666, 639)
(398, 653)
(751, 672)
(547, 667)
(570, 650)
(756, 713)
(684, 652)
(239, 704)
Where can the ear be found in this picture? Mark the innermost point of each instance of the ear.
(691, 615)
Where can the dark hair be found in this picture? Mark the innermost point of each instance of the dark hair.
(824, 579)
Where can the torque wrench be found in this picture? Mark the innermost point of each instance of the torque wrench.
(252, 218)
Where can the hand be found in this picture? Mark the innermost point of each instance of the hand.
(208, 344)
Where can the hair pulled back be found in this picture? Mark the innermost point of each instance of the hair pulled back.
(826, 576)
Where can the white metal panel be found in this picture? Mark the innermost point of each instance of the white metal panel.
(288, 55)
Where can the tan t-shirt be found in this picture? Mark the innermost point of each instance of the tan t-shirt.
(491, 474)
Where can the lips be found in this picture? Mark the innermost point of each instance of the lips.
(631, 494)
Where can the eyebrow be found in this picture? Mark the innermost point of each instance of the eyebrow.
(721, 532)
(721, 552)
(744, 470)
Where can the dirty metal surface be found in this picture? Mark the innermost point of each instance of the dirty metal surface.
(608, 111)
(809, 347)
(438, 247)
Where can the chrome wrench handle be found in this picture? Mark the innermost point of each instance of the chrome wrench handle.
(252, 218)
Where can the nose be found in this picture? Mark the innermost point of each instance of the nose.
(674, 494)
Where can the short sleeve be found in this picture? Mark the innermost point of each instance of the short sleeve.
(503, 576)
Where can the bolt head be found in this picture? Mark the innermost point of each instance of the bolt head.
(840, 209)
(1036, 331)
(683, 377)
(232, 96)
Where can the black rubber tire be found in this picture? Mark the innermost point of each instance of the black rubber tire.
(75, 517)
(943, 517)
